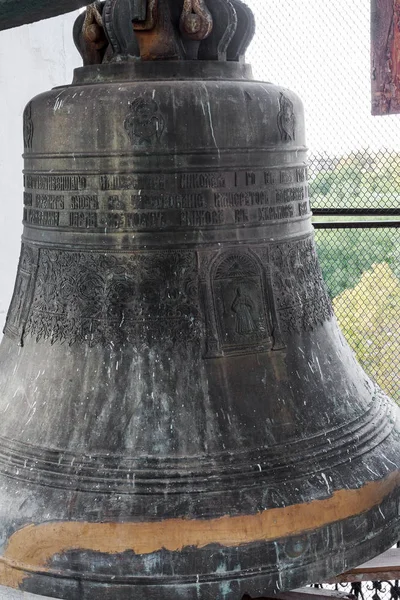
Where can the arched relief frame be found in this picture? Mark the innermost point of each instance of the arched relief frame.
(239, 310)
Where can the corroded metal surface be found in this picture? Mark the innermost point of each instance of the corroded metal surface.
(180, 414)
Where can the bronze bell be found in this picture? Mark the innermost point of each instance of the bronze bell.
(180, 415)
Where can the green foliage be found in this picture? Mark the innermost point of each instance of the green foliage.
(359, 180)
(362, 266)
(345, 254)
(369, 317)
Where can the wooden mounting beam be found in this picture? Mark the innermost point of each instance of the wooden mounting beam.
(306, 593)
(385, 56)
(383, 567)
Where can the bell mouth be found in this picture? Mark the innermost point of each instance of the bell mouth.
(138, 70)
(64, 565)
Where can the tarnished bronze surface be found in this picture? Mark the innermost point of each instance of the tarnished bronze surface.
(180, 414)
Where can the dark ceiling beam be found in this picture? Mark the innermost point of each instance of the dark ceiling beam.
(20, 12)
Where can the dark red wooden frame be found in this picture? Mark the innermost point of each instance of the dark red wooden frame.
(385, 56)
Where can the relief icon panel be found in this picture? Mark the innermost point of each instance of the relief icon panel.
(239, 304)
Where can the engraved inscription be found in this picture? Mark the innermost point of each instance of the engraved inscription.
(287, 177)
(202, 180)
(85, 202)
(55, 183)
(83, 220)
(145, 123)
(48, 201)
(147, 220)
(289, 195)
(140, 201)
(164, 201)
(271, 177)
(134, 220)
(202, 218)
(43, 218)
(132, 182)
(275, 213)
(242, 216)
(251, 178)
(94, 298)
(236, 199)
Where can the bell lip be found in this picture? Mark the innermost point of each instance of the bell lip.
(264, 579)
(136, 70)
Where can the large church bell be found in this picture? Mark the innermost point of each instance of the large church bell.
(180, 416)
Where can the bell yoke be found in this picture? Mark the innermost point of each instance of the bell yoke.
(180, 415)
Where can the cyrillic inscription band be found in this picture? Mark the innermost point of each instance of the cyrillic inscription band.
(55, 183)
(132, 182)
(49, 202)
(235, 199)
(85, 202)
(140, 201)
(289, 195)
(83, 220)
(202, 218)
(165, 202)
(44, 218)
(193, 181)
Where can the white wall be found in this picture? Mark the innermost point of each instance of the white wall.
(33, 59)
(8, 594)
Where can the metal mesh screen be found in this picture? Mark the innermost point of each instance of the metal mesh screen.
(321, 50)
(362, 268)
(361, 180)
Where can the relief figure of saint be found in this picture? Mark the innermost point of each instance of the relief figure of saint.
(243, 308)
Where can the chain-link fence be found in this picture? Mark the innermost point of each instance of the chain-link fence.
(321, 50)
(362, 268)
